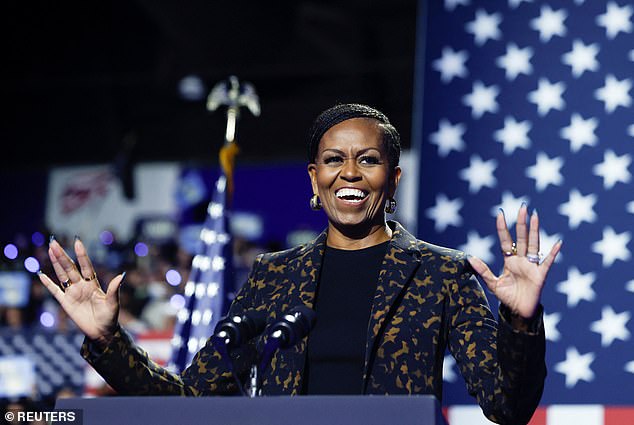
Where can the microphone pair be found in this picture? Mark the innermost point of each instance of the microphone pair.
(234, 331)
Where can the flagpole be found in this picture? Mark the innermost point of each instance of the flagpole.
(234, 95)
(211, 270)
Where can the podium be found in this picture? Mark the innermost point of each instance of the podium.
(273, 410)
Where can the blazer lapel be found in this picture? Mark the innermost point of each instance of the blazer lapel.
(309, 267)
(305, 273)
(400, 262)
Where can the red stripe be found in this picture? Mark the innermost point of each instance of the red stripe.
(539, 418)
(612, 415)
(619, 415)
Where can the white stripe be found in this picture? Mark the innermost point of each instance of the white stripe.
(577, 414)
(467, 415)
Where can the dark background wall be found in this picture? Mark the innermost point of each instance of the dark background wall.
(78, 77)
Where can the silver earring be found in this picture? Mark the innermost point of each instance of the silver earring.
(315, 203)
(390, 206)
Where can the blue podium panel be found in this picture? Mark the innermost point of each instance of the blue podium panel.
(301, 410)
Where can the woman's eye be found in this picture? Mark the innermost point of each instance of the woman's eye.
(333, 160)
(368, 159)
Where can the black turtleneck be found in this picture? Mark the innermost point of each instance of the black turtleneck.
(336, 345)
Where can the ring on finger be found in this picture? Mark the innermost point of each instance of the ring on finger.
(93, 276)
(66, 283)
(534, 258)
(512, 252)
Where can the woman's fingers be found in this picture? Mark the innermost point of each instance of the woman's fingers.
(550, 258)
(506, 242)
(57, 267)
(521, 232)
(533, 234)
(112, 292)
(87, 269)
(64, 266)
(484, 272)
(51, 286)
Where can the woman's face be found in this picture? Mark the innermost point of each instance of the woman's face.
(351, 174)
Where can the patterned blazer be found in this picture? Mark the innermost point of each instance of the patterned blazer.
(426, 300)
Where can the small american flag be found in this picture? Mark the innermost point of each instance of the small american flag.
(531, 101)
(210, 275)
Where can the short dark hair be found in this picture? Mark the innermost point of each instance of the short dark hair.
(342, 112)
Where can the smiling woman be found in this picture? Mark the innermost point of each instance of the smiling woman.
(353, 178)
(387, 304)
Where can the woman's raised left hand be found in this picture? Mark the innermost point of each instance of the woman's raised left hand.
(520, 285)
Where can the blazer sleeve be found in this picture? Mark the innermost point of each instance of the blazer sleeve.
(129, 371)
(504, 368)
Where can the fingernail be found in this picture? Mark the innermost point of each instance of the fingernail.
(523, 204)
(501, 210)
(77, 238)
(51, 238)
(39, 272)
(122, 277)
(535, 212)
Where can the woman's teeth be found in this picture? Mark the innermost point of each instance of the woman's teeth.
(351, 194)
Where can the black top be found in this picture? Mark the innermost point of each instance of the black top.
(336, 345)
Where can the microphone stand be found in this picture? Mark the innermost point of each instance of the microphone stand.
(254, 389)
(220, 344)
(256, 371)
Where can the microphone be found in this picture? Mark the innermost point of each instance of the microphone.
(238, 329)
(294, 326)
(287, 332)
(233, 332)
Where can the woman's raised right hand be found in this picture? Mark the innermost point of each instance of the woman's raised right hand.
(79, 293)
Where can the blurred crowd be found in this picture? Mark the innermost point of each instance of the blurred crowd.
(146, 292)
(147, 295)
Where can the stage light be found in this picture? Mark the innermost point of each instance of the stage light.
(106, 237)
(141, 249)
(31, 264)
(11, 251)
(192, 88)
(173, 277)
(47, 319)
(38, 239)
(177, 301)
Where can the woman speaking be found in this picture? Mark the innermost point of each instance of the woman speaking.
(387, 305)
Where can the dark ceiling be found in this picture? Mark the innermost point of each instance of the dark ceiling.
(81, 79)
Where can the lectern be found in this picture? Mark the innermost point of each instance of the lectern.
(274, 410)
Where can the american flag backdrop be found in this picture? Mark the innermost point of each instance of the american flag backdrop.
(531, 101)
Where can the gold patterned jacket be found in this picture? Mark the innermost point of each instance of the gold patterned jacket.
(426, 300)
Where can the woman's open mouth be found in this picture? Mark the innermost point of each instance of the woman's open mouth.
(351, 195)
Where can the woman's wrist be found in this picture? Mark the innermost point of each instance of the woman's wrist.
(103, 340)
(520, 323)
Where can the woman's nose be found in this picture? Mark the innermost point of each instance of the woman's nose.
(350, 170)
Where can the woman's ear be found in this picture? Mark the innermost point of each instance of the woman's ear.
(312, 173)
(395, 177)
